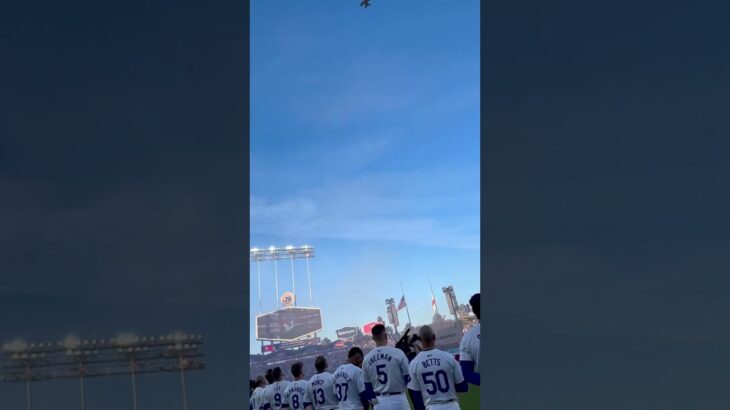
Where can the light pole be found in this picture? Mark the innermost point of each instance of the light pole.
(182, 383)
(27, 387)
(309, 278)
(81, 387)
(134, 382)
(289, 252)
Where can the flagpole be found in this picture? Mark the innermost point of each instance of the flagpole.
(433, 297)
(404, 299)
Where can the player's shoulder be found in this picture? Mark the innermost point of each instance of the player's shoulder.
(413, 365)
(391, 351)
(448, 356)
(397, 352)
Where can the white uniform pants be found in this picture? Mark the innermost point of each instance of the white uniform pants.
(454, 405)
(394, 402)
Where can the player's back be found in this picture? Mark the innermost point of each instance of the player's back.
(275, 394)
(348, 384)
(469, 346)
(323, 391)
(258, 398)
(435, 374)
(296, 394)
(385, 368)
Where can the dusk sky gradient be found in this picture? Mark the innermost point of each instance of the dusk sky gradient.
(365, 145)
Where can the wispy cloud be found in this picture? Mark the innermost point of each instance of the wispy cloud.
(412, 208)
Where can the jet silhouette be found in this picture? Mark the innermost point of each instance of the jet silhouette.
(365, 3)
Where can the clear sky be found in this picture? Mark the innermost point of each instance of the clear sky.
(365, 145)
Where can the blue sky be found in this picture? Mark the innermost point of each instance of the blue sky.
(365, 144)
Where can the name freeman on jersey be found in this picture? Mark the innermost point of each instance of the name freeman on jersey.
(379, 356)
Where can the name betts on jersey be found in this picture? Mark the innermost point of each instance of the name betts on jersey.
(435, 374)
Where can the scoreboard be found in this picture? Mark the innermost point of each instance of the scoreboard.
(288, 324)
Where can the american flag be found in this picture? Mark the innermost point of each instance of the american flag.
(433, 304)
(402, 303)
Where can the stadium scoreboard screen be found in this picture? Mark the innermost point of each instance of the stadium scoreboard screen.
(288, 324)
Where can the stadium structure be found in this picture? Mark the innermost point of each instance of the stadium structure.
(126, 354)
(289, 332)
(289, 326)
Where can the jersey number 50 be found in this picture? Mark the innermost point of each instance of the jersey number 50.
(438, 382)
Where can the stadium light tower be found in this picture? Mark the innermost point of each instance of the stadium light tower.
(72, 358)
(289, 252)
(453, 305)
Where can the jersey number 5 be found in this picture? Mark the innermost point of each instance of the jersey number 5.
(382, 376)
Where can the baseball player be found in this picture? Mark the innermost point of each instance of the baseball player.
(256, 402)
(349, 387)
(274, 392)
(322, 385)
(296, 395)
(469, 347)
(385, 371)
(435, 376)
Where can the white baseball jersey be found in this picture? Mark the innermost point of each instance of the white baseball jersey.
(348, 386)
(469, 347)
(435, 374)
(386, 367)
(275, 394)
(296, 394)
(323, 391)
(257, 399)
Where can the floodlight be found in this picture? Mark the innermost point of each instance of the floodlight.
(15, 346)
(71, 342)
(126, 339)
